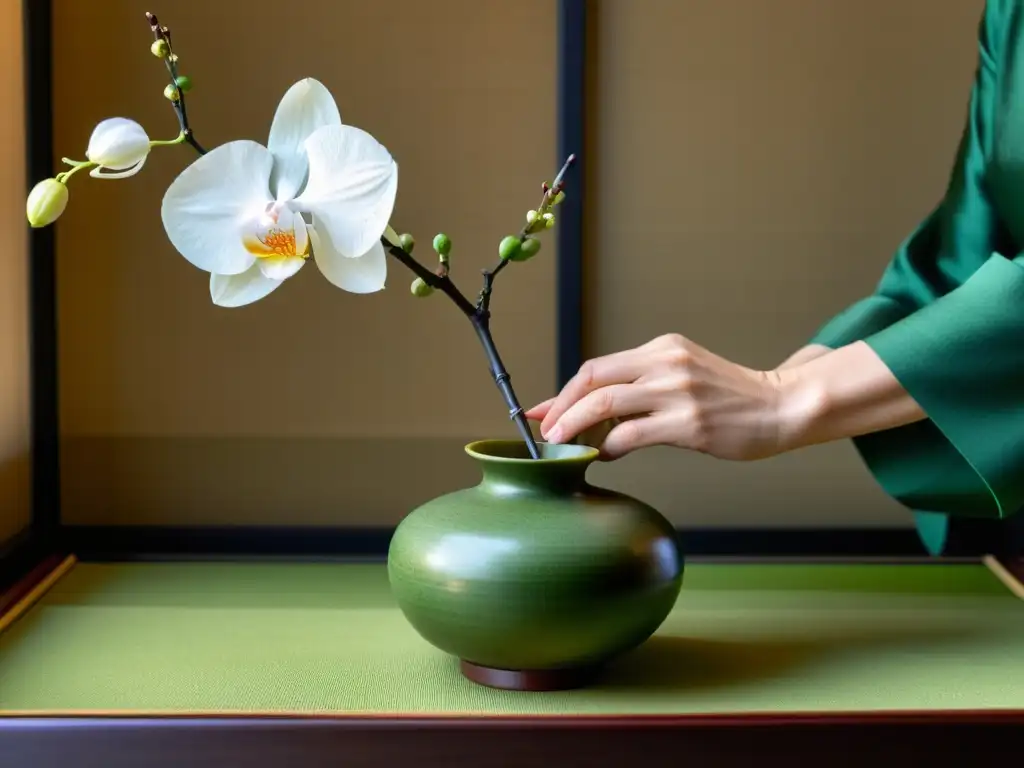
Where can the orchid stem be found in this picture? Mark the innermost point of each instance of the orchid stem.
(76, 167)
(179, 139)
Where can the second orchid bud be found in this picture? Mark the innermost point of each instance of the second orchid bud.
(46, 202)
(119, 146)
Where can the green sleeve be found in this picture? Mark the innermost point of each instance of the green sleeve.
(947, 318)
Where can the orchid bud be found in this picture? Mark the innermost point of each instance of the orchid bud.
(508, 248)
(531, 216)
(171, 93)
(46, 202)
(184, 82)
(407, 241)
(419, 288)
(160, 48)
(118, 144)
(529, 249)
(442, 244)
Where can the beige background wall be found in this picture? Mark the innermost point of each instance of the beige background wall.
(752, 166)
(15, 440)
(783, 149)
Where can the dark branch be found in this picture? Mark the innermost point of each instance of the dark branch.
(481, 322)
(480, 314)
(171, 60)
(440, 282)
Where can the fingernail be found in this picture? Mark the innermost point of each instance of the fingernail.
(554, 436)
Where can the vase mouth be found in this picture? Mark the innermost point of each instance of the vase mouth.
(516, 452)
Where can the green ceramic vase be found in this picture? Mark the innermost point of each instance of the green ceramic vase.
(534, 578)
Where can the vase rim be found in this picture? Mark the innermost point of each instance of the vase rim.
(514, 452)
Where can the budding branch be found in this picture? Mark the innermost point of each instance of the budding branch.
(480, 314)
(481, 322)
(483, 301)
(161, 33)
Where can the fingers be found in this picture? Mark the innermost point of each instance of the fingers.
(619, 368)
(629, 436)
(608, 402)
(540, 410)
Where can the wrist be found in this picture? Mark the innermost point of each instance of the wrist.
(845, 393)
(802, 405)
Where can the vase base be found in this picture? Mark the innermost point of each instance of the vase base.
(529, 679)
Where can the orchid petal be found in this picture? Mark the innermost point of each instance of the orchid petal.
(239, 290)
(97, 172)
(301, 235)
(305, 107)
(351, 189)
(363, 274)
(280, 267)
(206, 207)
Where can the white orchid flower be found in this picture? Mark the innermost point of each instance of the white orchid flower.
(120, 145)
(252, 215)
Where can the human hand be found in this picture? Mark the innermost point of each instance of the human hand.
(670, 391)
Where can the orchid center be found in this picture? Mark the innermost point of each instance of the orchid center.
(278, 238)
(276, 231)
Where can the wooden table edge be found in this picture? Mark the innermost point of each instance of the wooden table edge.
(31, 588)
(15, 719)
(1009, 571)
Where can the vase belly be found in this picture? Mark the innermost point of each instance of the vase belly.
(512, 578)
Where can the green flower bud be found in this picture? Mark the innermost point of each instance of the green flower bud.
(558, 198)
(171, 93)
(407, 241)
(531, 216)
(508, 248)
(419, 288)
(442, 244)
(549, 220)
(160, 48)
(46, 202)
(529, 249)
(184, 82)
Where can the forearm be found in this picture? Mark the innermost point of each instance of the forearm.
(840, 394)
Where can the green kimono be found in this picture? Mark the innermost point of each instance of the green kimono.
(947, 317)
